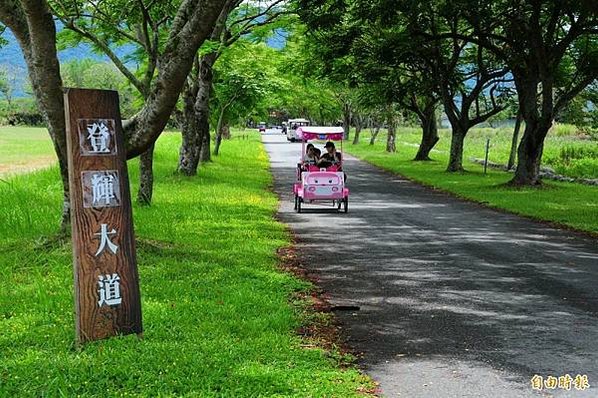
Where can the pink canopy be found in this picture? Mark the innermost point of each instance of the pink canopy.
(308, 133)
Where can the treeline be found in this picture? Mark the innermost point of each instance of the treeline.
(201, 64)
(473, 60)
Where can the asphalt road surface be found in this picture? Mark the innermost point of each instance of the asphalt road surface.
(445, 298)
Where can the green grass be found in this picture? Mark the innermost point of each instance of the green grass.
(573, 155)
(574, 205)
(217, 314)
(24, 148)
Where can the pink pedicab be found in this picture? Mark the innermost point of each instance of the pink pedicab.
(320, 184)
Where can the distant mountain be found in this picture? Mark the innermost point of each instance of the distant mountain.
(11, 56)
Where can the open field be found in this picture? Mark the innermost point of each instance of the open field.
(216, 308)
(24, 149)
(574, 205)
(566, 151)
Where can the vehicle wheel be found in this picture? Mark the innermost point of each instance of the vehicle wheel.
(292, 140)
(299, 201)
(346, 201)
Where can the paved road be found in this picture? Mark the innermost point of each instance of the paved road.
(454, 300)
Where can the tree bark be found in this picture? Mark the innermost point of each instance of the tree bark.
(538, 120)
(219, 132)
(347, 120)
(515, 141)
(456, 155)
(146, 177)
(392, 132)
(225, 131)
(530, 154)
(32, 24)
(358, 127)
(206, 143)
(202, 103)
(429, 133)
(374, 135)
(191, 133)
(193, 23)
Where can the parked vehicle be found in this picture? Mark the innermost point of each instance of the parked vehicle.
(320, 184)
(293, 125)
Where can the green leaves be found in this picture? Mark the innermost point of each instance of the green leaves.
(3, 41)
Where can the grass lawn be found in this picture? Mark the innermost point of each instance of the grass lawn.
(217, 314)
(24, 149)
(566, 150)
(574, 205)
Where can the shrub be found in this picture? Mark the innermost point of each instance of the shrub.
(26, 118)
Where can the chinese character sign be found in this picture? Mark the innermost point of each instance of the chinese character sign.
(106, 280)
(101, 188)
(109, 291)
(105, 240)
(96, 137)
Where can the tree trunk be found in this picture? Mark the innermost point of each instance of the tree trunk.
(429, 134)
(225, 131)
(530, 154)
(347, 120)
(202, 103)
(206, 143)
(146, 177)
(219, 132)
(192, 138)
(456, 155)
(515, 141)
(358, 126)
(33, 25)
(392, 132)
(192, 24)
(374, 135)
(538, 120)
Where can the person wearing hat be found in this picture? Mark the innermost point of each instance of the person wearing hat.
(331, 157)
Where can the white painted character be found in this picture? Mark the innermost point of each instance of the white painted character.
(105, 240)
(99, 137)
(102, 186)
(109, 290)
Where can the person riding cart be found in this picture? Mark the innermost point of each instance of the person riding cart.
(323, 181)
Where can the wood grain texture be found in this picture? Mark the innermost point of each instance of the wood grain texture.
(94, 322)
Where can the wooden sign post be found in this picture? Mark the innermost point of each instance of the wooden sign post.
(107, 299)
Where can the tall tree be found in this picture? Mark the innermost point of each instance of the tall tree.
(551, 49)
(242, 80)
(364, 43)
(255, 19)
(32, 23)
(106, 27)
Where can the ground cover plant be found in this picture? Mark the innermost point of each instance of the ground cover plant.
(554, 202)
(216, 307)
